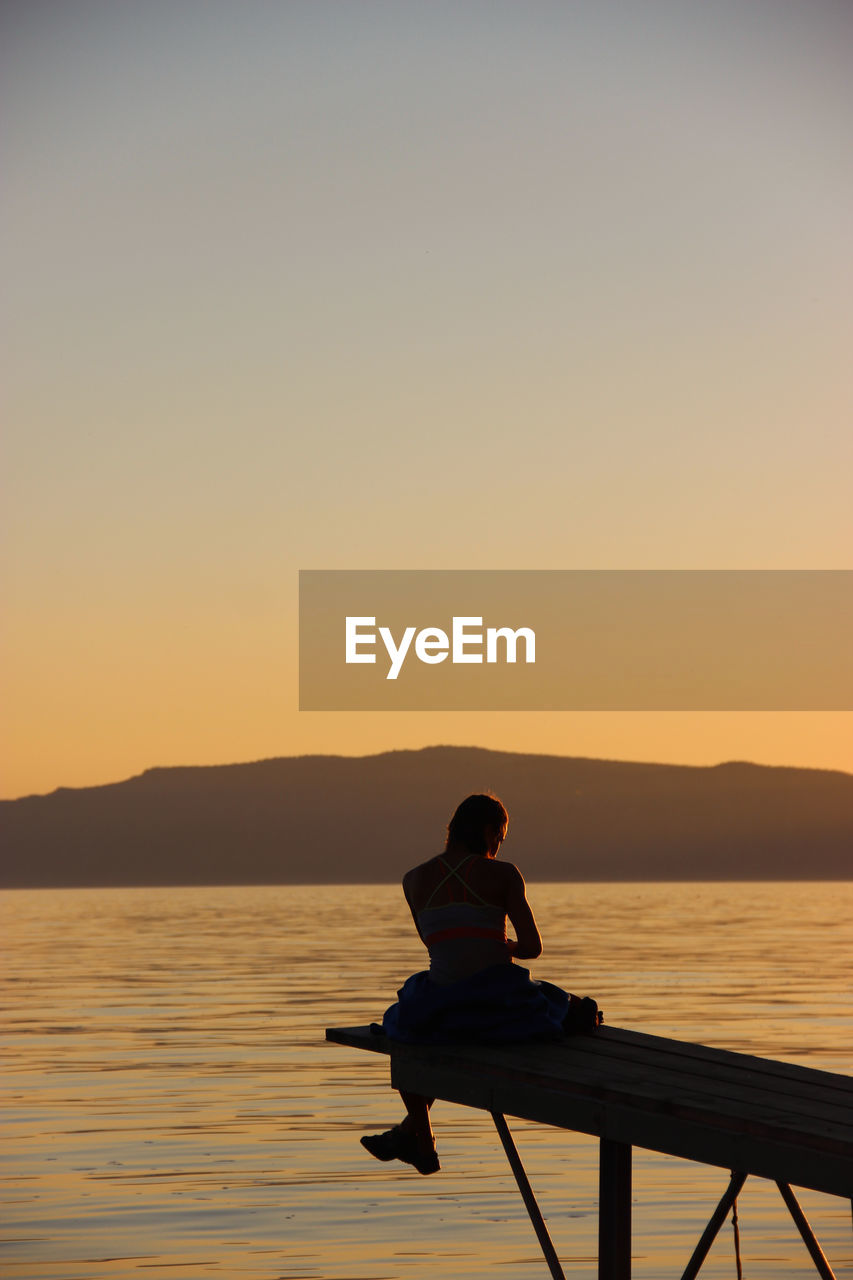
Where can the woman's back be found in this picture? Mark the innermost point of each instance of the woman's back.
(463, 926)
(457, 876)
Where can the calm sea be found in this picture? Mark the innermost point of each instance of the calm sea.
(170, 1103)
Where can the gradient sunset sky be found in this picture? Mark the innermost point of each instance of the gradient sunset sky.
(350, 284)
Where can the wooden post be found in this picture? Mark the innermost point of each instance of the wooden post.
(614, 1211)
(817, 1254)
(718, 1217)
(528, 1197)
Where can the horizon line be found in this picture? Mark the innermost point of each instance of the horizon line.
(437, 746)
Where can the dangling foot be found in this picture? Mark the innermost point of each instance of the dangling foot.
(384, 1146)
(396, 1144)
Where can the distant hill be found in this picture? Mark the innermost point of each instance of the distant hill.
(327, 819)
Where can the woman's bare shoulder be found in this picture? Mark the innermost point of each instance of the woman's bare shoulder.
(507, 881)
(506, 872)
(495, 878)
(421, 873)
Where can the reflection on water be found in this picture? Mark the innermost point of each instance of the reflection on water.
(170, 1101)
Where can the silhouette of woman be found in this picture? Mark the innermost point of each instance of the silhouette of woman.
(460, 901)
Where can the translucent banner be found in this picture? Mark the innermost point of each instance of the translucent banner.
(583, 640)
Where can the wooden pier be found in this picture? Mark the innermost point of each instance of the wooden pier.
(747, 1115)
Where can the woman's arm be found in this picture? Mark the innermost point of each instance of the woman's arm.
(406, 888)
(528, 944)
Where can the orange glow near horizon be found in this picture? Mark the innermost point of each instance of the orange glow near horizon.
(427, 287)
(143, 733)
(114, 693)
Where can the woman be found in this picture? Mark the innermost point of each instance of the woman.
(460, 901)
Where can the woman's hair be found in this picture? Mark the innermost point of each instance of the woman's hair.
(470, 821)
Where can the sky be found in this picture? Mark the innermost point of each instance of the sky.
(356, 284)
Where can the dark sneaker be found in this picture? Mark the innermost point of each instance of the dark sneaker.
(384, 1146)
(396, 1144)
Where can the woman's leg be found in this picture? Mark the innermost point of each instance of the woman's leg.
(416, 1120)
(411, 1140)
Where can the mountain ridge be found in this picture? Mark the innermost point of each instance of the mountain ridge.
(365, 819)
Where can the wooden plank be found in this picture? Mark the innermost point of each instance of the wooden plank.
(671, 1133)
(704, 1112)
(660, 1054)
(812, 1076)
(596, 1058)
(551, 1065)
(735, 1117)
(562, 1100)
(799, 1113)
(788, 1079)
(359, 1038)
(658, 1091)
(771, 1077)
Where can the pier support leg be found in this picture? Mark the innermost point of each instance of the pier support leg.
(718, 1217)
(528, 1197)
(614, 1211)
(818, 1256)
